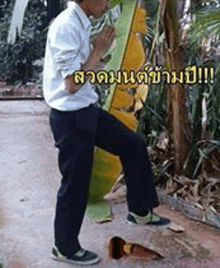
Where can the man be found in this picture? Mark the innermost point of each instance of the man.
(78, 124)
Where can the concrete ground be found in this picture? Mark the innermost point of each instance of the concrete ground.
(29, 180)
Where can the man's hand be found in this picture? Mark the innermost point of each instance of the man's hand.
(101, 45)
(102, 42)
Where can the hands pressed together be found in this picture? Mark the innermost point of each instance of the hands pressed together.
(102, 42)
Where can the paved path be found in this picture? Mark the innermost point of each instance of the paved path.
(29, 179)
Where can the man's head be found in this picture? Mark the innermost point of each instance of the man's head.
(95, 8)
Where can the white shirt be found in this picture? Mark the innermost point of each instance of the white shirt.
(67, 48)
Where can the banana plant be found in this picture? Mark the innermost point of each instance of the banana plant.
(17, 20)
(19, 11)
(178, 117)
(124, 99)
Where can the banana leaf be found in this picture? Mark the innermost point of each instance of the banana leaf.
(127, 55)
(17, 20)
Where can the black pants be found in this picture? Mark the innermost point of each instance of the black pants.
(76, 133)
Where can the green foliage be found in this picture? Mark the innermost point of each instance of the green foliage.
(204, 30)
(201, 48)
(203, 150)
(7, 10)
(202, 45)
(153, 116)
(114, 2)
(16, 62)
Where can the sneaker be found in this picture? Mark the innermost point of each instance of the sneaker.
(81, 257)
(150, 218)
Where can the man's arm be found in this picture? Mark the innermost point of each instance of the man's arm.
(101, 45)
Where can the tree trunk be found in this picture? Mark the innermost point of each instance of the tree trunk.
(178, 117)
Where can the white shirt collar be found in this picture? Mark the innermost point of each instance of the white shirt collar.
(74, 7)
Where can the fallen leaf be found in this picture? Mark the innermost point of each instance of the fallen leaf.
(176, 228)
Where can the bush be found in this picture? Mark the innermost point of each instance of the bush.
(17, 60)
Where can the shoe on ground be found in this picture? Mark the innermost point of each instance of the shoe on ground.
(81, 257)
(150, 218)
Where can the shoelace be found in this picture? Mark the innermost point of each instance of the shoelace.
(80, 252)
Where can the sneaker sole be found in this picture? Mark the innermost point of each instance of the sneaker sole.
(96, 260)
(132, 223)
(149, 223)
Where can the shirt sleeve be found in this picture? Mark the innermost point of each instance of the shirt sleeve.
(65, 46)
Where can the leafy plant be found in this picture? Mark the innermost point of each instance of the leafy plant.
(17, 60)
(200, 44)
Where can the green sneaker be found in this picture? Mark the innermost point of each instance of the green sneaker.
(150, 218)
(81, 257)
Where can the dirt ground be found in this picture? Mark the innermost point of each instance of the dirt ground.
(29, 181)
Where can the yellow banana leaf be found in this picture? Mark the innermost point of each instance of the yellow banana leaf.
(127, 55)
(122, 99)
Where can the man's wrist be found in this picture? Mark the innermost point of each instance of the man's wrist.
(91, 64)
(93, 61)
(97, 55)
